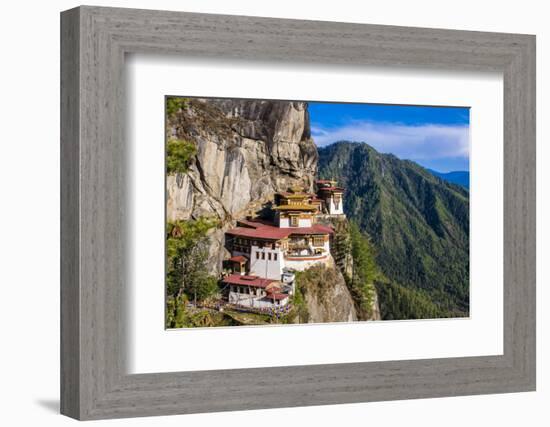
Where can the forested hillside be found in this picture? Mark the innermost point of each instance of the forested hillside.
(418, 225)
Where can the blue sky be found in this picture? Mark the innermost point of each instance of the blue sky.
(435, 137)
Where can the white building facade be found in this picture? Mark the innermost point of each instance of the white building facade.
(335, 205)
(256, 292)
(332, 196)
(266, 262)
(270, 251)
(297, 222)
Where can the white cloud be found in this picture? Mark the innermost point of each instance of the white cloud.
(427, 141)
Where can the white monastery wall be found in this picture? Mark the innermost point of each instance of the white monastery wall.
(264, 267)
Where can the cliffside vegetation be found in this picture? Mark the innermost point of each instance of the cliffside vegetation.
(322, 296)
(364, 273)
(175, 104)
(300, 313)
(187, 272)
(178, 315)
(179, 154)
(418, 224)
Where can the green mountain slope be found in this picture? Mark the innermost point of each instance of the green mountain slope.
(419, 226)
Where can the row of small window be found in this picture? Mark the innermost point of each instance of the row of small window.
(240, 241)
(246, 290)
(269, 256)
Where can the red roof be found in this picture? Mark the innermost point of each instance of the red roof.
(270, 232)
(238, 258)
(267, 232)
(254, 223)
(237, 279)
(247, 223)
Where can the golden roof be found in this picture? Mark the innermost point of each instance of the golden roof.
(296, 207)
(294, 196)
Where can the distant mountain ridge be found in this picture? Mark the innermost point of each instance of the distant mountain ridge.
(418, 223)
(456, 177)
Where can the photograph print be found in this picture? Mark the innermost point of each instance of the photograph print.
(286, 212)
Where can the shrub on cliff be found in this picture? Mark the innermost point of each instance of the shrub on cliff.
(178, 155)
(187, 245)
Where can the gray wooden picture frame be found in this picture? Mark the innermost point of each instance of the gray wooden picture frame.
(94, 41)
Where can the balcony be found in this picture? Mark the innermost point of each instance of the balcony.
(304, 252)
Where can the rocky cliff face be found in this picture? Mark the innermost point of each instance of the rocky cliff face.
(248, 150)
(326, 295)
